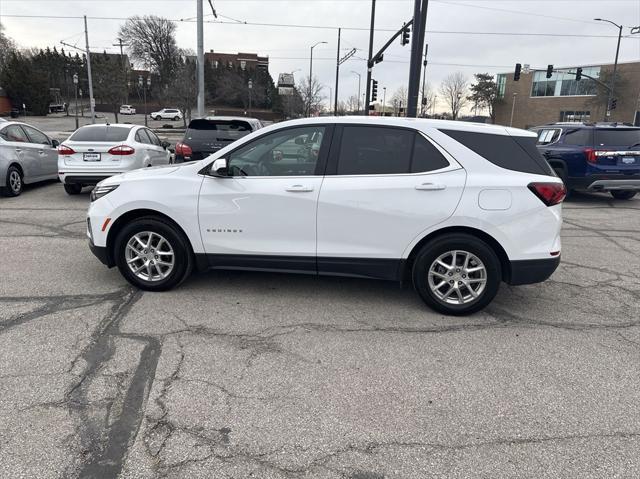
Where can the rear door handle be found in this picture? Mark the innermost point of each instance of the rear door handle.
(18, 150)
(41, 152)
(430, 187)
(299, 188)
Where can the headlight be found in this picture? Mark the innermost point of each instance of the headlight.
(100, 190)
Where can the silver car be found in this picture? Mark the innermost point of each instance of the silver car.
(26, 156)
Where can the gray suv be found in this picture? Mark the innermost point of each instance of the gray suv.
(26, 156)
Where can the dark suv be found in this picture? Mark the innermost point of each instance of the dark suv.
(208, 135)
(594, 156)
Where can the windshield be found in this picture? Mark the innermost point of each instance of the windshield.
(626, 137)
(202, 130)
(101, 133)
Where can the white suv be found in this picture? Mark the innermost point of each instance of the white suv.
(167, 114)
(454, 207)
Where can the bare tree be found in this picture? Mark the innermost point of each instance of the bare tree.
(182, 90)
(399, 99)
(352, 105)
(151, 40)
(454, 91)
(7, 46)
(311, 95)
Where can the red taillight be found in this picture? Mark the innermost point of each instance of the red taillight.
(592, 155)
(183, 149)
(549, 193)
(65, 150)
(121, 150)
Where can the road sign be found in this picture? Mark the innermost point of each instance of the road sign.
(93, 103)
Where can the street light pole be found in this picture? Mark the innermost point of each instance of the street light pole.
(513, 107)
(615, 67)
(384, 101)
(250, 88)
(75, 83)
(311, 78)
(359, 78)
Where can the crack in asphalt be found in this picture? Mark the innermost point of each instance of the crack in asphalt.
(58, 231)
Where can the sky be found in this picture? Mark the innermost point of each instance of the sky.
(469, 36)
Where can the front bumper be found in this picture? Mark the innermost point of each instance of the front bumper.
(532, 270)
(102, 254)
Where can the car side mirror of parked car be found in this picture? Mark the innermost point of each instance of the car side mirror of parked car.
(165, 144)
(300, 140)
(55, 143)
(219, 168)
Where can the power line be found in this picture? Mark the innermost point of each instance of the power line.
(331, 27)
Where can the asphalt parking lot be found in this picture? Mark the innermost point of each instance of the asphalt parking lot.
(237, 375)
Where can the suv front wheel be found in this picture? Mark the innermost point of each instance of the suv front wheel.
(457, 274)
(623, 194)
(152, 254)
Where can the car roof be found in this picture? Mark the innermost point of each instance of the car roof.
(228, 118)
(122, 125)
(414, 123)
(573, 125)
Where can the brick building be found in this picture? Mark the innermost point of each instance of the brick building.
(250, 61)
(536, 100)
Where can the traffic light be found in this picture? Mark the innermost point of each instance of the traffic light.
(549, 71)
(516, 73)
(374, 90)
(578, 74)
(404, 38)
(613, 104)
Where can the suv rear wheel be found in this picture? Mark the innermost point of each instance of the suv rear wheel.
(457, 274)
(153, 254)
(73, 189)
(623, 194)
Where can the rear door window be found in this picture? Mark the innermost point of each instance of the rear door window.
(517, 153)
(426, 157)
(154, 138)
(101, 133)
(370, 150)
(618, 137)
(142, 137)
(14, 133)
(579, 137)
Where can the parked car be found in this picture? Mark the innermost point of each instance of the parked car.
(127, 110)
(27, 155)
(167, 114)
(594, 156)
(208, 135)
(95, 152)
(453, 207)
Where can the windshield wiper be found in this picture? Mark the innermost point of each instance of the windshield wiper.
(634, 145)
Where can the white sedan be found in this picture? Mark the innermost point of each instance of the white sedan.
(167, 114)
(95, 152)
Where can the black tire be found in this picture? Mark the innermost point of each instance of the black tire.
(73, 189)
(176, 118)
(183, 257)
(623, 194)
(456, 242)
(563, 176)
(158, 118)
(13, 182)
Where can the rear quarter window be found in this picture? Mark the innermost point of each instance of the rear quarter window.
(619, 137)
(101, 133)
(516, 153)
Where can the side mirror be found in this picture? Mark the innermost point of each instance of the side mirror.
(55, 143)
(219, 168)
(165, 144)
(299, 140)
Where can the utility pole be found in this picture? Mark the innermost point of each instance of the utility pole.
(200, 53)
(419, 22)
(92, 101)
(335, 102)
(384, 101)
(309, 99)
(369, 60)
(423, 104)
(122, 66)
(359, 78)
(513, 107)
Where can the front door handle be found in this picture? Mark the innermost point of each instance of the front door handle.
(430, 187)
(18, 150)
(299, 188)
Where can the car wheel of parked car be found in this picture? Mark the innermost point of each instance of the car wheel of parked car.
(457, 274)
(623, 194)
(13, 182)
(176, 118)
(73, 189)
(152, 254)
(158, 118)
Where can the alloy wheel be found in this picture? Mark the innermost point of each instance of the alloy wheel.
(149, 256)
(457, 277)
(15, 182)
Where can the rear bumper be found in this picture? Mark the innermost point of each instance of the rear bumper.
(85, 179)
(532, 270)
(606, 182)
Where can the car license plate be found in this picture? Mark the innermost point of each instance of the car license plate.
(91, 157)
